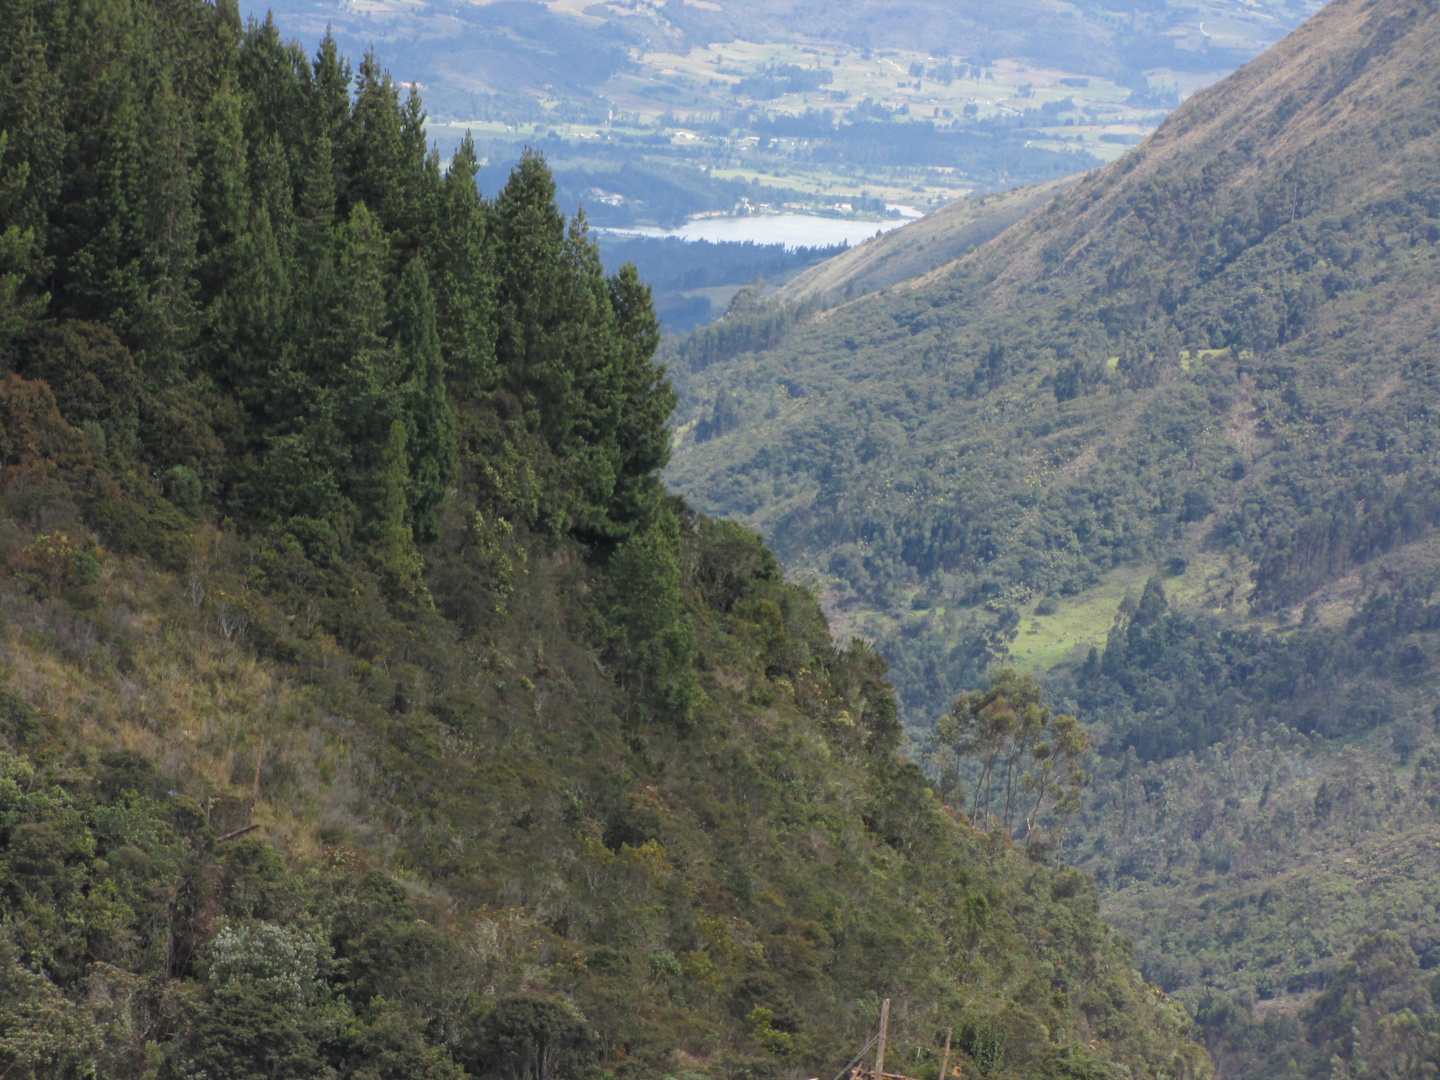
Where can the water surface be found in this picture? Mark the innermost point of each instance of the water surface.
(792, 230)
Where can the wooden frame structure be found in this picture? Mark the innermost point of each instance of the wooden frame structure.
(857, 1070)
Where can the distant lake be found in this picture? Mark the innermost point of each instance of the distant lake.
(792, 230)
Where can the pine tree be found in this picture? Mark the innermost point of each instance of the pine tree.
(556, 344)
(276, 79)
(315, 218)
(430, 422)
(355, 362)
(593, 355)
(271, 188)
(316, 288)
(249, 318)
(464, 277)
(393, 544)
(105, 280)
(224, 193)
(217, 47)
(167, 324)
(419, 178)
(530, 241)
(20, 305)
(330, 108)
(646, 399)
(380, 151)
(31, 115)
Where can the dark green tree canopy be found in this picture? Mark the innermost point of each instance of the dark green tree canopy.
(292, 272)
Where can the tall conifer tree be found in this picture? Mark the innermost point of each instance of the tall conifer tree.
(556, 342)
(379, 149)
(646, 399)
(166, 326)
(224, 193)
(393, 544)
(464, 277)
(249, 317)
(429, 420)
(358, 366)
(330, 108)
(106, 280)
(31, 114)
(20, 307)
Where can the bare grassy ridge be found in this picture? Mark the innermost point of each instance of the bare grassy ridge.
(909, 253)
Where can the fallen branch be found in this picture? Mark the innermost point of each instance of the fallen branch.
(237, 832)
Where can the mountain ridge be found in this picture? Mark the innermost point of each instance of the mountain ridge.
(1168, 443)
(1327, 83)
(904, 255)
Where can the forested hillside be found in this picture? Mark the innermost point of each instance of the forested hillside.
(367, 707)
(1220, 338)
(1169, 442)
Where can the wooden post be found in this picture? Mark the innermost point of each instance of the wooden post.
(255, 784)
(880, 1047)
(945, 1061)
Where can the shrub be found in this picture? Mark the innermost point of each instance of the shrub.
(531, 1038)
(53, 563)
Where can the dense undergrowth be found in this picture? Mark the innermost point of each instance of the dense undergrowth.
(1282, 886)
(472, 851)
(1185, 415)
(368, 708)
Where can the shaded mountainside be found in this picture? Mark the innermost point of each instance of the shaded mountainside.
(367, 707)
(1170, 442)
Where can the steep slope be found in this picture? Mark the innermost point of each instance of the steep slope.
(367, 707)
(1169, 441)
(1244, 295)
(913, 250)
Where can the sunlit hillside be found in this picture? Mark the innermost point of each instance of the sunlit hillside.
(1166, 442)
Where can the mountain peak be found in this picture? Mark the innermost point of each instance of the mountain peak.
(1331, 115)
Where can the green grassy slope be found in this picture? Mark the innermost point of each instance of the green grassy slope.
(1168, 441)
